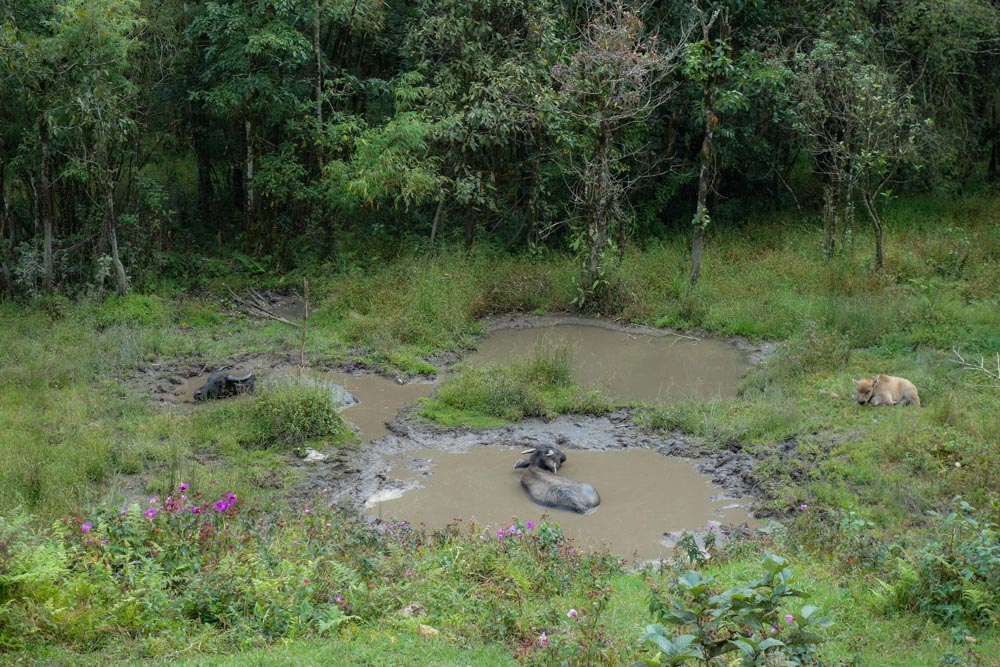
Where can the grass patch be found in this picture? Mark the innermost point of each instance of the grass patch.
(539, 385)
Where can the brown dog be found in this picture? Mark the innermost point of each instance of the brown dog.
(885, 390)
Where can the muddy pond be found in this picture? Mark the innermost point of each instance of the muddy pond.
(415, 474)
(645, 496)
(639, 364)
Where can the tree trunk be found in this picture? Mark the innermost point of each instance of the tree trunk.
(602, 202)
(701, 217)
(46, 204)
(203, 158)
(6, 237)
(869, 203)
(109, 202)
(317, 48)
(434, 225)
(470, 227)
(993, 170)
(831, 215)
(248, 204)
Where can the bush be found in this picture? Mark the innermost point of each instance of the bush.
(744, 620)
(287, 415)
(956, 579)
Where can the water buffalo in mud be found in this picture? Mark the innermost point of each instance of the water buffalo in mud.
(546, 487)
(221, 384)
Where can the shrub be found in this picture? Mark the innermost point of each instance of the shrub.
(288, 415)
(955, 579)
(745, 620)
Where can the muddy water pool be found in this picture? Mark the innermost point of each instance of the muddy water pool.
(643, 496)
(630, 365)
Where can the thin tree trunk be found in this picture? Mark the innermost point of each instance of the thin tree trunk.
(601, 203)
(7, 238)
(109, 202)
(701, 217)
(470, 227)
(877, 224)
(434, 225)
(831, 215)
(203, 159)
(319, 82)
(993, 170)
(46, 205)
(248, 185)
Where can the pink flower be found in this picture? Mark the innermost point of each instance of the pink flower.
(773, 629)
(543, 641)
(308, 511)
(86, 526)
(571, 613)
(803, 507)
(150, 513)
(789, 618)
(183, 487)
(338, 599)
(530, 525)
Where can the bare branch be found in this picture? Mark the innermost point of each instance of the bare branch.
(969, 366)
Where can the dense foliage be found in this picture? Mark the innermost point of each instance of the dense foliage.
(294, 132)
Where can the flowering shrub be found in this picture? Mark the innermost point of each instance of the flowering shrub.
(188, 565)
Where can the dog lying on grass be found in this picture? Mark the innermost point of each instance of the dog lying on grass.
(885, 390)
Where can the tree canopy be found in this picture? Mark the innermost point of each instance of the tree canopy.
(293, 131)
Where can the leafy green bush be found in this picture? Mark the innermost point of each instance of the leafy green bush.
(745, 620)
(955, 579)
(288, 415)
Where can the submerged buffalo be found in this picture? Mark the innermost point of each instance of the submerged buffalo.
(221, 384)
(545, 487)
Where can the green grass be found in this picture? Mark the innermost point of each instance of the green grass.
(539, 385)
(77, 443)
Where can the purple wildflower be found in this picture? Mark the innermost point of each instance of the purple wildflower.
(150, 513)
(86, 526)
(571, 613)
(530, 525)
(221, 505)
(543, 641)
(183, 487)
(789, 618)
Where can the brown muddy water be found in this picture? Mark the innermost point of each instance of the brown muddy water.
(644, 496)
(642, 365)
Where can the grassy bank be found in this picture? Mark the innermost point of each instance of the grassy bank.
(866, 496)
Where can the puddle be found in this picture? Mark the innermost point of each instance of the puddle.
(379, 400)
(628, 365)
(643, 496)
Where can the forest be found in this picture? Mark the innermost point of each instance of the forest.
(295, 133)
(308, 200)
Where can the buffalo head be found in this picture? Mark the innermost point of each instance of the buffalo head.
(221, 384)
(547, 488)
